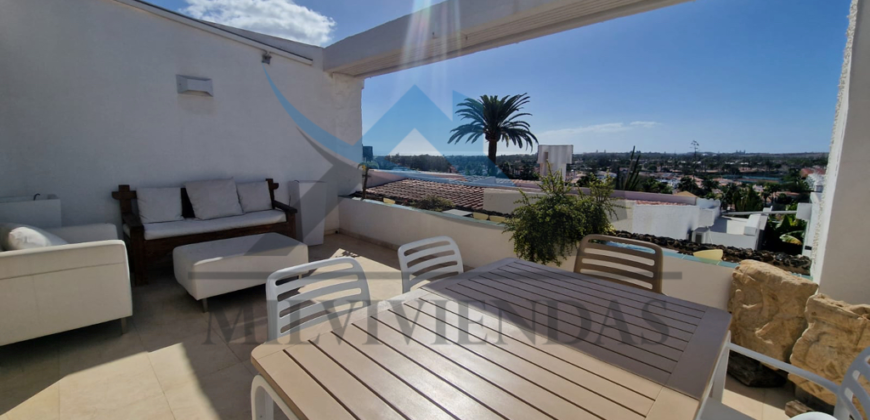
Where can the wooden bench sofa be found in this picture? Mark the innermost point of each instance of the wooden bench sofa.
(146, 245)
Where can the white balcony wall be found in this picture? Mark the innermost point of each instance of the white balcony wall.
(840, 263)
(483, 242)
(88, 101)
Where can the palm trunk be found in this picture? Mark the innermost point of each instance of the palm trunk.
(493, 147)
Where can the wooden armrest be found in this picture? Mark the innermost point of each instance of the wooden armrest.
(281, 206)
(132, 220)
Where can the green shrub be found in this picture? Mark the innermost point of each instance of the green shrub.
(548, 228)
(434, 203)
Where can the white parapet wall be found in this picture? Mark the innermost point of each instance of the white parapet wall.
(482, 242)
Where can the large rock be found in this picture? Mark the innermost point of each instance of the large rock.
(837, 333)
(767, 305)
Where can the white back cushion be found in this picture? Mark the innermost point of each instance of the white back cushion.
(254, 196)
(158, 205)
(213, 199)
(15, 237)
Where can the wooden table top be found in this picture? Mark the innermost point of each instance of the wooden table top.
(513, 340)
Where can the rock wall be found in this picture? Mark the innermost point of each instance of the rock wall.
(794, 263)
(837, 332)
(767, 305)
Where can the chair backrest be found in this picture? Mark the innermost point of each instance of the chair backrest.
(851, 388)
(287, 307)
(429, 259)
(610, 258)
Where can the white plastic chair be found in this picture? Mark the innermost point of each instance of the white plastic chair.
(713, 409)
(263, 396)
(275, 306)
(412, 260)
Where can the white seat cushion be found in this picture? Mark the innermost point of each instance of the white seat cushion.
(213, 268)
(214, 199)
(157, 205)
(194, 226)
(254, 196)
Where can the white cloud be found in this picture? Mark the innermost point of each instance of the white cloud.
(645, 124)
(281, 18)
(600, 128)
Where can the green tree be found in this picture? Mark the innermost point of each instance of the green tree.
(630, 181)
(687, 184)
(495, 119)
(748, 200)
(708, 185)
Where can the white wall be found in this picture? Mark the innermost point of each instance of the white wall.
(88, 101)
(840, 262)
(730, 239)
(482, 243)
(665, 220)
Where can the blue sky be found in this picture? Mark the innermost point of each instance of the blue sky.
(759, 75)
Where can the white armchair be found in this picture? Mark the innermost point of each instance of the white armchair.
(53, 289)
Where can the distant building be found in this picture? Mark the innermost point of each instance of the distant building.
(559, 157)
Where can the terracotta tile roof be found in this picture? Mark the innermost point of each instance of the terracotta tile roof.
(462, 196)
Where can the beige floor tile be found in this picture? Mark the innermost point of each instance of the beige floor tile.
(97, 345)
(154, 408)
(775, 400)
(26, 370)
(749, 401)
(196, 357)
(29, 362)
(250, 366)
(44, 405)
(222, 395)
(108, 387)
(243, 337)
(157, 335)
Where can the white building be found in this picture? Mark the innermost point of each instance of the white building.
(816, 182)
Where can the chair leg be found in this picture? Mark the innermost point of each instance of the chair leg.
(264, 399)
(718, 389)
(140, 273)
(123, 326)
(204, 302)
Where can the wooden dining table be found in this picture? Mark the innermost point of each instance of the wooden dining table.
(510, 340)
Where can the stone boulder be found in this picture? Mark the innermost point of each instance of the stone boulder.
(767, 305)
(837, 332)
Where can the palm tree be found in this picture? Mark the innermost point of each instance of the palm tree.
(365, 167)
(709, 184)
(494, 119)
(687, 183)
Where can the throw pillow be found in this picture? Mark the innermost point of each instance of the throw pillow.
(158, 205)
(254, 196)
(213, 199)
(15, 237)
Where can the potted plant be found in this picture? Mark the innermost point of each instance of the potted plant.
(546, 229)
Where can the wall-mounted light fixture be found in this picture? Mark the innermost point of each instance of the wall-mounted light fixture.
(194, 85)
(267, 58)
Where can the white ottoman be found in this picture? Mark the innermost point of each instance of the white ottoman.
(213, 268)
